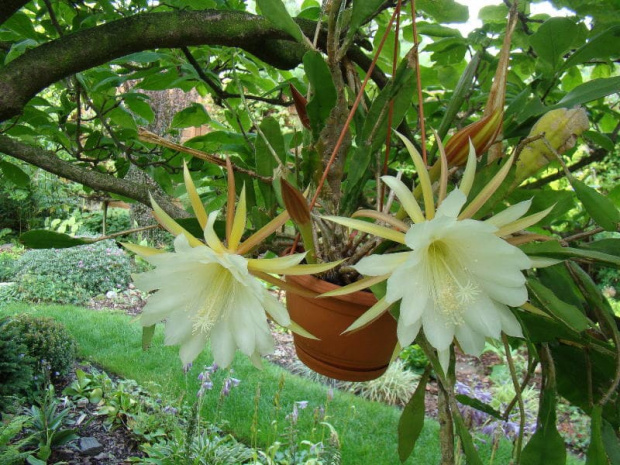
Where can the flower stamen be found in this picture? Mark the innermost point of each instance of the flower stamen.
(211, 311)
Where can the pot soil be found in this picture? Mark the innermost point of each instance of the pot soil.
(359, 356)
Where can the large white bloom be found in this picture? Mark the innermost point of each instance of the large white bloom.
(459, 276)
(210, 291)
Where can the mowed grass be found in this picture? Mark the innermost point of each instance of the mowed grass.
(367, 430)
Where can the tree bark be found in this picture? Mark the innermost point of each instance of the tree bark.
(36, 69)
(48, 161)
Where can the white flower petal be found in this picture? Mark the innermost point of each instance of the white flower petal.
(178, 329)
(222, 344)
(452, 204)
(407, 333)
(510, 324)
(510, 214)
(191, 348)
(276, 310)
(414, 290)
(438, 330)
(513, 296)
(378, 265)
(444, 359)
(471, 342)
(481, 316)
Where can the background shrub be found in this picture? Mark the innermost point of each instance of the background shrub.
(73, 275)
(414, 358)
(15, 365)
(47, 341)
(8, 261)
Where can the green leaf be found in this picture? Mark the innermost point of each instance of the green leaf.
(588, 91)
(361, 12)
(603, 45)
(412, 420)
(44, 239)
(471, 454)
(609, 246)
(324, 98)
(553, 249)
(600, 208)
(596, 451)
(147, 336)
(444, 11)
(193, 116)
(14, 174)
(479, 405)
(493, 13)
(612, 446)
(140, 107)
(265, 161)
(123, 118)
(568, 314)
(553, 38)
(546, 447)
(275, 12)
(600, 139)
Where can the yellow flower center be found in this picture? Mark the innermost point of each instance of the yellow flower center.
(451, 288)
(217, 302)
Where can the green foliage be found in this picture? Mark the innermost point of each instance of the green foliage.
(15, 365)
(394, 387)
(72, 275)
(11, 428)
(48, 342)
(414, 358)
(8, 259)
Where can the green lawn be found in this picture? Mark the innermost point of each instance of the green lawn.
(367, 430)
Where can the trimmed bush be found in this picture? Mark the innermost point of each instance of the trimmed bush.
(73, 275)
(15, 365)
(48, 342)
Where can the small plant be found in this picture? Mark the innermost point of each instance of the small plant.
(11, 428)
(15, 365)
(414, 358)
(47, 342)
(47, 424)
(394, 387)
(8, 259)
(72, 275)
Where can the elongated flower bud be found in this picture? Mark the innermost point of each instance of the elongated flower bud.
(560, 129)
(295, 203)
(300, 106)
(482, 134)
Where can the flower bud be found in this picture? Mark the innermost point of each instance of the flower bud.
(482, 134)
(560, 129)
(295, 203)
(300, 106)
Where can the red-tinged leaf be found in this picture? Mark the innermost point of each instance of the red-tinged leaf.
(300, 106)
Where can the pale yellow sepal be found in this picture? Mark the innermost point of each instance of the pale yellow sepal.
(210, 237)
(535, 310)
(397, 351)
(406, 198)
(470, 171)
(425, 180)
(284, 285)
(369, 316)
(487, 191)
(275, 265)
(262, 234)
(238, 223)
(294, 327)
(194, 198)
(389, 219)
(359, 285)
(311, 268)
(141, 250)
(443, 177)
(523, 223)
(172, 226)
(371, 228)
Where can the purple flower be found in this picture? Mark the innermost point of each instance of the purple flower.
(302, 404)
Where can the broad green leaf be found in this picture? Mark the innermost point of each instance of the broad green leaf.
(586, 92)
(609, 246)
(570, 315)
(600, 139)
(600, 208)
(361, 12)
(596, 451)
(193, 116)
(140, 107)
(44, 239)
(147, 336)
(479, 405)
(123, 118)
(610, 440)
(553, 249)
(265, 161)
(412, 420)
(471, 453)
(444, 11)
(604, 45)
(324, 91)
(553, 38)
(14, 174)
(275, 12)
(493, 13)
(546, 447)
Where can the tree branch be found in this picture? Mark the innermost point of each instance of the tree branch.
(36, 69)
(48, 161)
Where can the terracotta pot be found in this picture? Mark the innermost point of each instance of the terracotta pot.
(360, 356)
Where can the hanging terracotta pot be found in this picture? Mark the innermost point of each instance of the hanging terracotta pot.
(359, 356)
